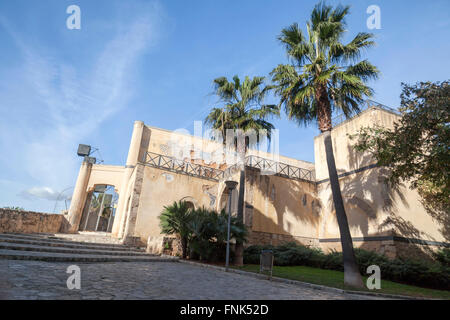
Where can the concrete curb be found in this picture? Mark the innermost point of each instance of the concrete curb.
(304, 284)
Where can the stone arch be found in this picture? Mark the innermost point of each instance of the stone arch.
(190, 201)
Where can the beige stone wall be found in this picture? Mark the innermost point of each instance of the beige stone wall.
(386, 247)
(161, 188)
(283, 207)
(265, 238)
(277, 209)
(373, 208)
(29, 222)
(346, 158)
(106, 174)
(122, 218)
(390, 248)
(162, 142)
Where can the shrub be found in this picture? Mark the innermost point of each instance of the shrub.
(288, 254)
(365, 258)
(203, 232)
(252, 253)
(209, 234)
(422, 273)
(333, 261)
(443, 256)
(175, 219)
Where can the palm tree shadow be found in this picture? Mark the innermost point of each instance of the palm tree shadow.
(441, 216)
(294, 203)
(371, 200)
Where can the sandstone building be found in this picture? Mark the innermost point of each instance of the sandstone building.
(293, 204)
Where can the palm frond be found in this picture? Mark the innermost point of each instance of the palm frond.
(320, 60)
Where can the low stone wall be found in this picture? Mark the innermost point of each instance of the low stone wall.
(391, 248)
(29, 222)
(264, 238)
(386, 247)
(168, 245)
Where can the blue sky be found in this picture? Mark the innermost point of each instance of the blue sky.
(155, 61)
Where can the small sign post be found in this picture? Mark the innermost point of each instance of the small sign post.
(266, 262)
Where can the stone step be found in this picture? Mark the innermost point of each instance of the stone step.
(64, 238)
(67, 244)
(29, 247)
(64, 257)
(88, 236)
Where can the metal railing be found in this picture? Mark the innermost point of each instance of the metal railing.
(338, 119)
(280, 169)
(181, 166)
(268, 167)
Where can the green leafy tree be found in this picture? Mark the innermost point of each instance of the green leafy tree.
(242, 109)
(323, 75)
(175, 220)
(417, 148)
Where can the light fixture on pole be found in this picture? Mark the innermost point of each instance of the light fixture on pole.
(84, 150)
(231, 185)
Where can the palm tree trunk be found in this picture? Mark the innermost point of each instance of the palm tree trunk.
(352, 277)
(184, 247)
(241, 150)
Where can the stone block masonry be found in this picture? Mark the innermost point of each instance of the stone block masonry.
(266, 238)
(29, 222)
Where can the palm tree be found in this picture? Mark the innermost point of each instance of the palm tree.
(243, 109)
(209, 232)
(175, 219)
(324, 75)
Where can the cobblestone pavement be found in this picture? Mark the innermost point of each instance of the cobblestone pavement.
(153, 280)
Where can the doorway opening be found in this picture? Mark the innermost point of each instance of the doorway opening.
(100, 209)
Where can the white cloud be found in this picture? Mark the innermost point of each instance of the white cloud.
(44, 193)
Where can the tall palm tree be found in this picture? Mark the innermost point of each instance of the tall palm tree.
(324, 75)
(242, 109)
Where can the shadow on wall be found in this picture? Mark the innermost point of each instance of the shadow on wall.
(441, 216)
(369, 193)
(280, 196)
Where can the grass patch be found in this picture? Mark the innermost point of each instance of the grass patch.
(335, 279)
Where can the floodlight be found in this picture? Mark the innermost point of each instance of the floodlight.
(83, 150)
(90, 160)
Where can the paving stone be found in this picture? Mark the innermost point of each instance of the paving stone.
(157, 280)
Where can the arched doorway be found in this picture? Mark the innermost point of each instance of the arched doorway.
(100, 209)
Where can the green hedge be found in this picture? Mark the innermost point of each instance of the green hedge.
(422, 273)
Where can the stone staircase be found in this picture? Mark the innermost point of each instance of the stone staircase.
(81, 247)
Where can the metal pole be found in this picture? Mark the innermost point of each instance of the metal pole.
(231, 185)
(228, 231)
